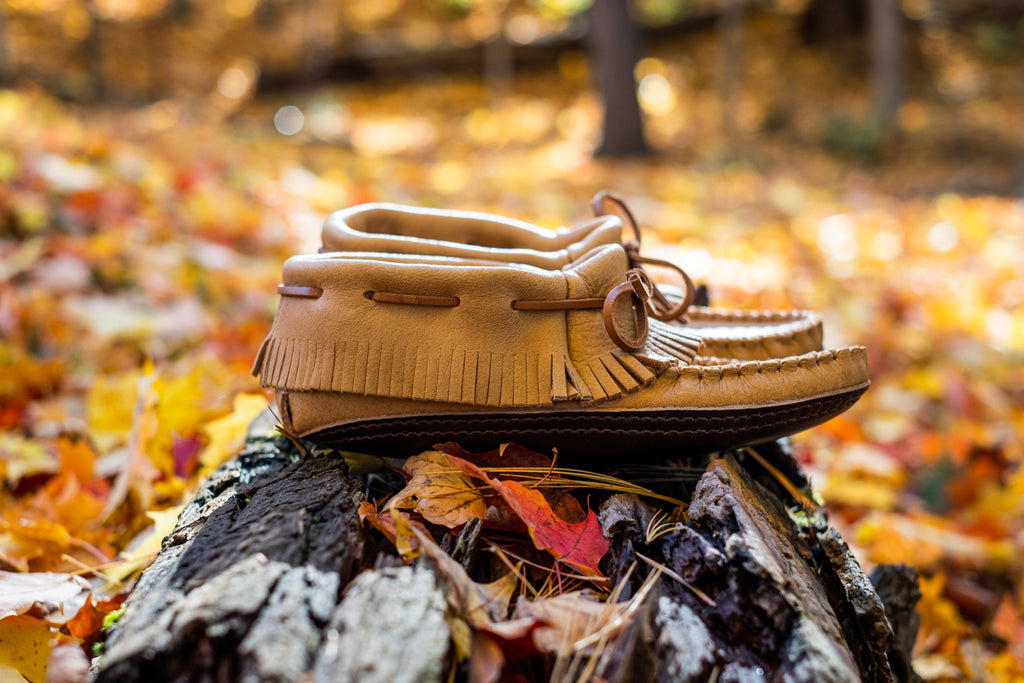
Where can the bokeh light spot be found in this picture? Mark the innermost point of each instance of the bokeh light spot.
(289, 120)
(943, 237)
(837, 237)
(698, 263)
(656, 94)
(449, 177)
(887, 245)
(237, 80)
(522, 29)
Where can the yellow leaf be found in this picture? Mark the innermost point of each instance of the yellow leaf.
(462, 637)
(25, 644)
(146, 545)
(179, 411)
(227, 434)
(108, 408)
(928, 381)
(20, 457)
(404, 536)
(32, 530)
(869, 493)
(139, 473)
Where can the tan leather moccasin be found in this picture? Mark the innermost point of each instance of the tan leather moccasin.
(726, 333)
(389, 353)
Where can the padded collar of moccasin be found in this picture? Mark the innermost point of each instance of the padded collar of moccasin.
(475, 332)
(399, 229)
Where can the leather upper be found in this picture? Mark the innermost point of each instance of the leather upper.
(481, 351)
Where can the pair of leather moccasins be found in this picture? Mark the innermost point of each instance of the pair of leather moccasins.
(415, 326)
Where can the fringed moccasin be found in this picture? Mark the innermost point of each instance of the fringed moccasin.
(390, 353)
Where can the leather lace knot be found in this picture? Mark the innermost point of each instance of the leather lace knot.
(639, 288)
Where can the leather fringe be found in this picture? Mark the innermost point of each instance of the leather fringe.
(674, 341)
(449, 375)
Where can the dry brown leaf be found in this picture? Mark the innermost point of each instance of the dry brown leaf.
(478, 604)
(500, 591)
(439, 491)
(568, 617)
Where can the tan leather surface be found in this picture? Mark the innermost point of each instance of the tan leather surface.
(740, 334)
(418, 317)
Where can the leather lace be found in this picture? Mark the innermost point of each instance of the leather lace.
(659, 306)
(638, 287)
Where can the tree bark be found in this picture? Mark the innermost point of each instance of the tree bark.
(269, 576)
(613, 44)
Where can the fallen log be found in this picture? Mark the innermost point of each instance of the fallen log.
(269, 575)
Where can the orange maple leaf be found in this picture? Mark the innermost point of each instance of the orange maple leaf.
(86, 624)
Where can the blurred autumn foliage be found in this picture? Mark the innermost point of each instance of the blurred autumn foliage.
(141, 239)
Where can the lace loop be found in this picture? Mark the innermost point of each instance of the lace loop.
(659, 306)
(639, 288)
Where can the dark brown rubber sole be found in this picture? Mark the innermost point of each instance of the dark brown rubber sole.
(588, 435)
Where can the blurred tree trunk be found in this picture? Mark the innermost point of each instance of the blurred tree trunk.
(613, 44)
(886, 58)
(93, 49)
(730, 60)
(498, 63)
(5, 60)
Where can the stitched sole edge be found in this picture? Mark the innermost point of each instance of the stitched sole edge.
(588, 434)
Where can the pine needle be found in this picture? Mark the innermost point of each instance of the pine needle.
(658, 526)
(551, 570)
(673, 575)
(515, 569)
(569, 478)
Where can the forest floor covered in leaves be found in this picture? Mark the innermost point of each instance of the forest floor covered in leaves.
(140, 249)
